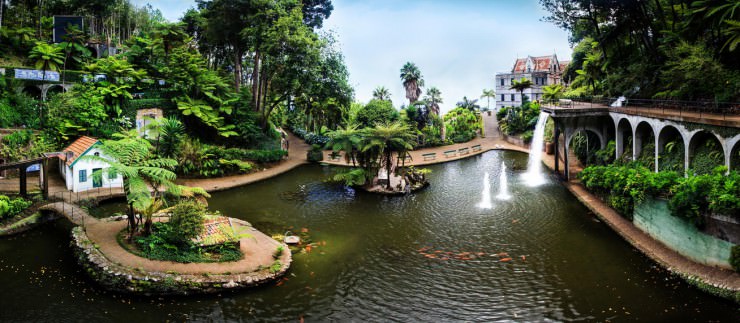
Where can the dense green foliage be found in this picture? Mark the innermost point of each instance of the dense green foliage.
(165, 244)
(675, 49)
(625, 186)
(706, 157)
(691, 197)
(12, 207)
(462, 124)
(376, 112)
(187, 220)
(25, 144)
(514, 120)
(696, 196)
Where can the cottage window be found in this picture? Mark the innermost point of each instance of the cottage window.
(83, 175)
(112, 175)
(97, 154)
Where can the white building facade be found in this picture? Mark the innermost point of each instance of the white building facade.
(542, 71)
(78, 173)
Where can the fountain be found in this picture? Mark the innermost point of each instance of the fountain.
(485, 202)
(534, 176)
(503, 187)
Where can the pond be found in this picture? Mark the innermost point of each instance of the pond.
(432, 256)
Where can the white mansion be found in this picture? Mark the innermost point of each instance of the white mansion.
(542, 71)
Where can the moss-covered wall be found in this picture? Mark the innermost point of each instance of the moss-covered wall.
(654, 218)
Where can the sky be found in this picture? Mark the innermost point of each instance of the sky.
(459, 45)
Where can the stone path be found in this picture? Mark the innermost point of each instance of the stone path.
(492, 141)
(297, 150)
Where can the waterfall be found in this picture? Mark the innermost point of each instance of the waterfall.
(503, 186)
(485, 202)
(534, 176)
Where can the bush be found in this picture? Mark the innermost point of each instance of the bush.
(187, 220)
(315, 154)
(12, 207)
(695, 196)
(626, 186)
(160, 246)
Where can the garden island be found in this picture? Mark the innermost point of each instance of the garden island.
(318, 160)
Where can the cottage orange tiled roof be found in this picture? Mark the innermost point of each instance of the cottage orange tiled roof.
(78, 147)
(217, 230)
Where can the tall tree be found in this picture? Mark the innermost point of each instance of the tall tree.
(412, 81)
(46, 57)
(488, 94)
(470, 104)
(433, 98)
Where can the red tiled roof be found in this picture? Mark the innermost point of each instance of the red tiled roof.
(217, 230)
(541, 63)
(563, 65)
(520, 64)
(79, 147)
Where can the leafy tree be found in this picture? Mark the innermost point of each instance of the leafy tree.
(382, 93)
(466, 103)
(412, 81)
(376, 112)
(132, 157)
(386, 139)
(74, 48)
(120, 79)
(77, 112)
(552, 93)
(521, 85)
(46, 57)
(461, 124)
(347, 140)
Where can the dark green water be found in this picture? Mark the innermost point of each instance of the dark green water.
(370, 268)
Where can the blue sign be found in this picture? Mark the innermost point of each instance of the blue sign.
(36, 75)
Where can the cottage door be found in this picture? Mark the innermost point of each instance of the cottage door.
(97, 180)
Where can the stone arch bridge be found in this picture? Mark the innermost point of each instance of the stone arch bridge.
(634, 129)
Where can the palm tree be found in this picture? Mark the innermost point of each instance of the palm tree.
(521, 85)
(412, 81)
(466, 103)
(388, 138)
(347, 140)
(433, 99)
(382, 93)
(552, 92)
(73, 47)
(48, 57)
(488, 94)
(131, 157)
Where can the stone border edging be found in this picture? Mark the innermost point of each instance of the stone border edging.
(119, 278)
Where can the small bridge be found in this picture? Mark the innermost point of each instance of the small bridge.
(74, 213)
(637, 123)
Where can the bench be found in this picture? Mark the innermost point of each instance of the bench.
(335, 156)
(450, 153)
(464, 151)
(476, 148)
(405, 159)
(429, 156)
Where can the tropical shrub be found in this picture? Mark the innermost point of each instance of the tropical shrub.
(706, 158)
(12, 207)
(695, 196)
(461, 124)
(377, 112)
(163, 245)
(187, 220)
(514, 120)
(625, 186)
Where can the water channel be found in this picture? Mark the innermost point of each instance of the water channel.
(373, 262)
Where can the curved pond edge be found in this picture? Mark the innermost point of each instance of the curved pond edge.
(719, 282)
(124, 279)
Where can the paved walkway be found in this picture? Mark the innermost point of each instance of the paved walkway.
(257, 249)
(492, 141)
(74, 213)
(297, 150)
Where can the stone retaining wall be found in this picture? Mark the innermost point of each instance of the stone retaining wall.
(123, 279)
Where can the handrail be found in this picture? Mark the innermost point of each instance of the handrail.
(662, 106)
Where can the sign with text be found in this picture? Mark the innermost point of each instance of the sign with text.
(36, 75)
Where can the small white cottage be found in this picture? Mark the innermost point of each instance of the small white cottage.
(78, 174)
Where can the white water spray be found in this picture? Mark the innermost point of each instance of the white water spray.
(485, 202)
(534, 176)
(503, 187)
